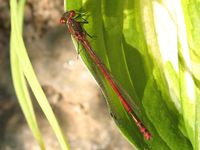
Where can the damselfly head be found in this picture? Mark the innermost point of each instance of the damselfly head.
(72, 13)
(67, 15)
(63, 20)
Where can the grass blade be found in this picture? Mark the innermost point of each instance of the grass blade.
(23, 64)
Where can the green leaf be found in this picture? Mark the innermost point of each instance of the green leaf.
(21, 69)
(20, 83)
(151, 49)
(190, 52)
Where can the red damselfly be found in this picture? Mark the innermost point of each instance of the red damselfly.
(70, 18)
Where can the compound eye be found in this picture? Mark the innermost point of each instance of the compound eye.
(72, 13)
(62, 20)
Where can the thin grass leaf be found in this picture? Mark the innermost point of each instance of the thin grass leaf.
(20, 57)
(20, 83)
(23, 95)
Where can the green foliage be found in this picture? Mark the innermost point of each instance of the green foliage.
(21, 71)
(152, 50)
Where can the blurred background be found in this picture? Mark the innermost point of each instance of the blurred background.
(72, 92)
